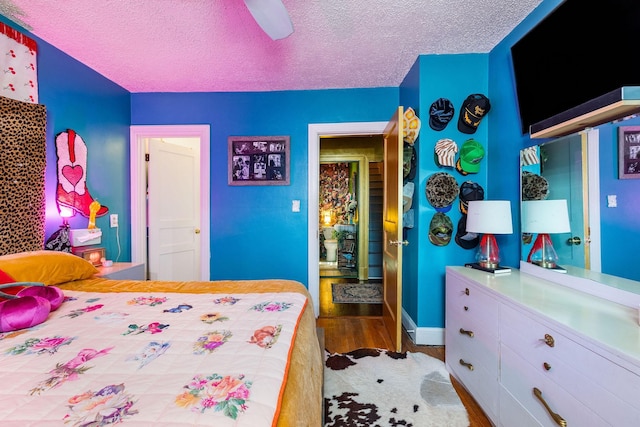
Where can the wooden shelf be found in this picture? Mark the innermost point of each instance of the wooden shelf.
(612, 106)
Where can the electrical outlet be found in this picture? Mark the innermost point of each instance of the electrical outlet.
(114, 220)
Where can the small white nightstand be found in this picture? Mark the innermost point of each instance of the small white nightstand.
(122, 271)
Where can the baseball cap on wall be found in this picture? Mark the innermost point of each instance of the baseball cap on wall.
(407, 196)
(474, 108)
(440, 113)
(408, 161)
(411, 125)
(445, 152)
(534, 186)
(440, 229)
(463, 239)
(471, 154)
(441, 191)
(469, 191)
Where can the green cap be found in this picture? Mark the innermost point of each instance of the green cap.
(440, 229)
(471, 154)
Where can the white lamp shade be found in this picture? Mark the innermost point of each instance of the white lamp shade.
(489, 217)
(272, 16)
(545, 216)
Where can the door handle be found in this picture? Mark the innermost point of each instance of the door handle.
(197, 231)
(398, 242)
(575, 240)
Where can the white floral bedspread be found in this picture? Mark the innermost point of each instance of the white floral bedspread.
(151, 359)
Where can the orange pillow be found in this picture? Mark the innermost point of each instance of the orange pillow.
(48, 267)
(5, 278)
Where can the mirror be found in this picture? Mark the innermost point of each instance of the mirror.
(557, 170)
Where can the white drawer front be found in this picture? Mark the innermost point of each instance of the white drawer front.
(512, 413)
(607, 388)
(466, 301)
(480, 378)
(474, 345)
(517, 376)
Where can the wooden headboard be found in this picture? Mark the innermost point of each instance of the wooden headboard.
(22, 171)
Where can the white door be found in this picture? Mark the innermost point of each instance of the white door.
(173, 211)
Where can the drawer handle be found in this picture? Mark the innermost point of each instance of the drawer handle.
(548, 340)
(557, 418)
(466, 291)
(466, 308)
(465, 332)
(469, 366)
(547, 366)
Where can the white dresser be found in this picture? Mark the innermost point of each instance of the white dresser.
(536, 353)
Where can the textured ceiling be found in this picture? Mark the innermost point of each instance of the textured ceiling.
(215, 45)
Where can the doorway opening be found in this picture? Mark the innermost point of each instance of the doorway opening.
(350, 222)
(139, 139)
(317, 135)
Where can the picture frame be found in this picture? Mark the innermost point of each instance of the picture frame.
(259, 160)
(629, 152)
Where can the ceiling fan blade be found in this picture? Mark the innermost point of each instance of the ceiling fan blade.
(272, 17)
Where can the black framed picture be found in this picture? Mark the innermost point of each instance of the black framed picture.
(259, 160)
(629, 152)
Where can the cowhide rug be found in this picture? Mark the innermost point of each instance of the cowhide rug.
(379, 388)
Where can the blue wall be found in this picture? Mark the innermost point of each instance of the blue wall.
(78, 98)
(410, 97)
(620, 226)
(445, 76)
(254, 234)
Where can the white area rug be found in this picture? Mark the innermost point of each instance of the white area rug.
(379, 388)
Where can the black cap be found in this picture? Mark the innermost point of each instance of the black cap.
(469, 191)
(474, 108)
(463, 239)
(440, 113)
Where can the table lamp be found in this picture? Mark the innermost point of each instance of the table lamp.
(545, 217)
(489, 217)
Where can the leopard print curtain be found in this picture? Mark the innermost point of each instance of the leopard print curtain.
(22, 169)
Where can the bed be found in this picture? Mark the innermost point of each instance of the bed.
(236, 353)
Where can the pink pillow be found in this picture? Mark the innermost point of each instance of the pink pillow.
(28, 307)
(50, 293)
(23, 313)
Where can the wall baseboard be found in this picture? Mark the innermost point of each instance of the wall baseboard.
(422, 335)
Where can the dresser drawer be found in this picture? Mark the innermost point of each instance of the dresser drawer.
(519, 379)
(512, 413)
(466, 301)
(474, 345)
(480, 375)
(607, 388)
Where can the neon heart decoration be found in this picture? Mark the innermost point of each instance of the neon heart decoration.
(73, 173)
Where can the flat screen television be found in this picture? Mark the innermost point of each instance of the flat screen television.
(582, 50)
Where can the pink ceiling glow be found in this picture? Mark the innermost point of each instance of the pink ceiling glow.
(215, 45)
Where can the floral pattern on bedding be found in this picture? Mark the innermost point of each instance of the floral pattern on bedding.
(227, 394)
(47, 345)
(96, 373)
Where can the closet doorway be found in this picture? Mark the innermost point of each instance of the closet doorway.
(190, 242)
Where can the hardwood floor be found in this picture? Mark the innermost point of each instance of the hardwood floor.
(351, 326)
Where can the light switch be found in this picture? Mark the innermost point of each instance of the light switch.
(612, 201)
(295, 206)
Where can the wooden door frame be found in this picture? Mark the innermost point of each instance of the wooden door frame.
(363, 206)
(138, 187)
(315, 132)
